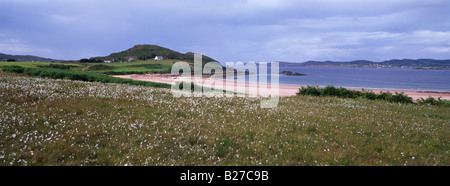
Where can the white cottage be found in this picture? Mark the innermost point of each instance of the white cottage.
(108, 60)
(159, 58)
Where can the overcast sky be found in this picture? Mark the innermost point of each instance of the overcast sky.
(230, 30)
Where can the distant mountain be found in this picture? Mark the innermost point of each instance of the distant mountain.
(5, 57)
(394, 63)
(144, 52)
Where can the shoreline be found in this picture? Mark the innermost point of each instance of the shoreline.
(284, 89)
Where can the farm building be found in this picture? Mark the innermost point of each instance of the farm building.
(108, 60)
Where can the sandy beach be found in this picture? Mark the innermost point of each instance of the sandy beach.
(284, 90)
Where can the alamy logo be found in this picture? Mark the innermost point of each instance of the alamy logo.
(214, 80)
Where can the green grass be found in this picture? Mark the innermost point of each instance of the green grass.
(78, 75)
(150, 67)
(34, 64)
(141, 67)
(63, 122)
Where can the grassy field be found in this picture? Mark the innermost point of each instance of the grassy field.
(35, 64)
(63, 122)
(149, 66)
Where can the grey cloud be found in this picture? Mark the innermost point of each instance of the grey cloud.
(253, 30)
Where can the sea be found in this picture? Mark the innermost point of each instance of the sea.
(367, 78)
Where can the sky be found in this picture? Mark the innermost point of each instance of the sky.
(230, 30)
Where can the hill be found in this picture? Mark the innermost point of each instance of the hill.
(394, 63)
(145, 52)
(4, 57)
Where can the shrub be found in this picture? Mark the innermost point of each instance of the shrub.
(384, 96)
(309, 90)
(13, 68)
(370, 95)
(346, 93)
(100, 67)
(432, 101)
(329, 91)
(401, 98)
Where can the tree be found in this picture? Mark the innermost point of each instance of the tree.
(90, 60)
(84, 60)
(11, 60)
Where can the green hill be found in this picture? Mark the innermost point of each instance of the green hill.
(146, 52)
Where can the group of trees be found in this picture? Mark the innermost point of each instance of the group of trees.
(9, 60)
(91, 60)
(145, 57)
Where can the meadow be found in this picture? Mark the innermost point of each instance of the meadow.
(64, 122)
(141, 67)
(78, 75)
(35, 64)
(92, 72)
(138, 67)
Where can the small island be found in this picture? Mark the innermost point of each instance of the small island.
(290, 73)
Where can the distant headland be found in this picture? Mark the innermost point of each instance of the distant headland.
(431, 64)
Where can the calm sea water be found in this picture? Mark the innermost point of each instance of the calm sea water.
(370, 78)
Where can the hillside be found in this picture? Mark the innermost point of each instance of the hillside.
(394, 63)
(4, 57)
(145, 52)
